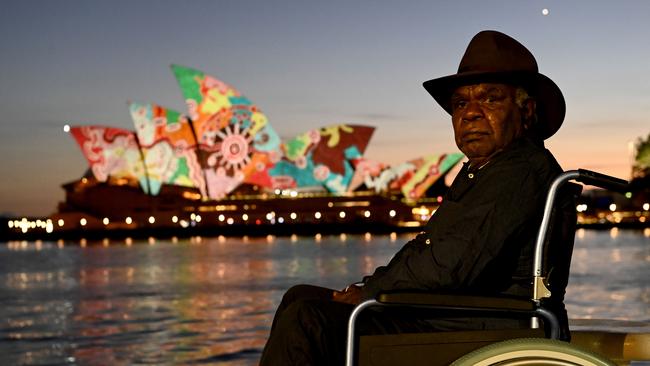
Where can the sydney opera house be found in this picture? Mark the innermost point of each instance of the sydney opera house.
(222, 164)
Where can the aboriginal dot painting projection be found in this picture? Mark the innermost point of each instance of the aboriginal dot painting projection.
(322, 157)
(235, 140)
(111, 152)
(412, 178)
(168, 147)
(225, 141)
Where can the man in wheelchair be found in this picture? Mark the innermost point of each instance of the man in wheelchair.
(481, 239)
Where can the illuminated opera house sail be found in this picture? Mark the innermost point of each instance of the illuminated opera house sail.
(224, 159)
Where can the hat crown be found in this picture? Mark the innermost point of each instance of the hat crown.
(492, 51)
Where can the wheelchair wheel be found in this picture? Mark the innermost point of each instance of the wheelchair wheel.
(531, 352)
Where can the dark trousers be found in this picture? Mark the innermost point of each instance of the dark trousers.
(311, 329)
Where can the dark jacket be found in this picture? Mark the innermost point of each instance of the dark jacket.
(481, 238)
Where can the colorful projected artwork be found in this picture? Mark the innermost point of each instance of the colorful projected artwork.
(111, 152)
(168, 147)
(235, 142)
(226, 141)
(412, 178)
(321, 157)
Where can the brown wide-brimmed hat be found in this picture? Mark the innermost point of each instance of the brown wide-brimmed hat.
(495, 57)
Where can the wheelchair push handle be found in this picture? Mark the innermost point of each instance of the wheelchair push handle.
(602, 181)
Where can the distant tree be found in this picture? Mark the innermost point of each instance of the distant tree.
(641, 167)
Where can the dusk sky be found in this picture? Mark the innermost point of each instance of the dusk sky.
(306, 64)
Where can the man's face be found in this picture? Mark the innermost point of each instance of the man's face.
(486, 119)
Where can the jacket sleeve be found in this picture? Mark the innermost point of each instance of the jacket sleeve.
(465, 236)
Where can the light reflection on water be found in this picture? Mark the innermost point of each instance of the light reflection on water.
(211, 300)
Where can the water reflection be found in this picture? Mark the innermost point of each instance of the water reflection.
(211, 300)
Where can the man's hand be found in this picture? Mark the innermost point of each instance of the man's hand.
(350, 295)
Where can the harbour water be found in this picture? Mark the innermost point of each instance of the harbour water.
(211, 300)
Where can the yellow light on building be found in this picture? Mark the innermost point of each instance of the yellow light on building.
(174, 219)
(646, 206)
(60, 222)
(152, 219)
(293, 216)
(612, 207)
(317, 215)
(244, 217)
(128, 220)
(230, 221)
(83, 221)
(222, 218)
(105, 221)
(197, 218)
(392, 213)
(366, 213)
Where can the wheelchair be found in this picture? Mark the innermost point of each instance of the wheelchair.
(534, 345)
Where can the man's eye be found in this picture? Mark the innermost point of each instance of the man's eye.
(457, 104)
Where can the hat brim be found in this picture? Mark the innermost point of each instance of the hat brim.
(551, 107)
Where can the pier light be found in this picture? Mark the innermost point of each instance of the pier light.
(293, 216)
(366, 213)
(281, 219)
(105, 221)
(581, 207)
(222, 218)
(392, 213)
(128, 220)
(293, 194)
(244, 217)
(230, 221)
(49, 228)
(612, 207)
(11, 224)
(83, 221)
(270, 216)
(197, 218)
(60, 222)
(152, 219)
(342, 214)
(646, 206)
(174, 219)
(184, 224)
(317, 215)
(192, 216)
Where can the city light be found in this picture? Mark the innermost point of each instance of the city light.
(66, 128)
(128, 220)
(244, 217)
(152, 219)
(342, 214)
(174, 219)
(317, 215)
(646, 206)
(222, 218)
(612, 207)
(197, 218)
(83, 221)
(230, 221)
(366, 213)
(105, 221)
(60, 222)
(293, 216)
(392, 213)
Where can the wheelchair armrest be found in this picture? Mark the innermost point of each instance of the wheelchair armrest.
(454, 301)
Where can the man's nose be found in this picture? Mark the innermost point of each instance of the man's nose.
(472, 111)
